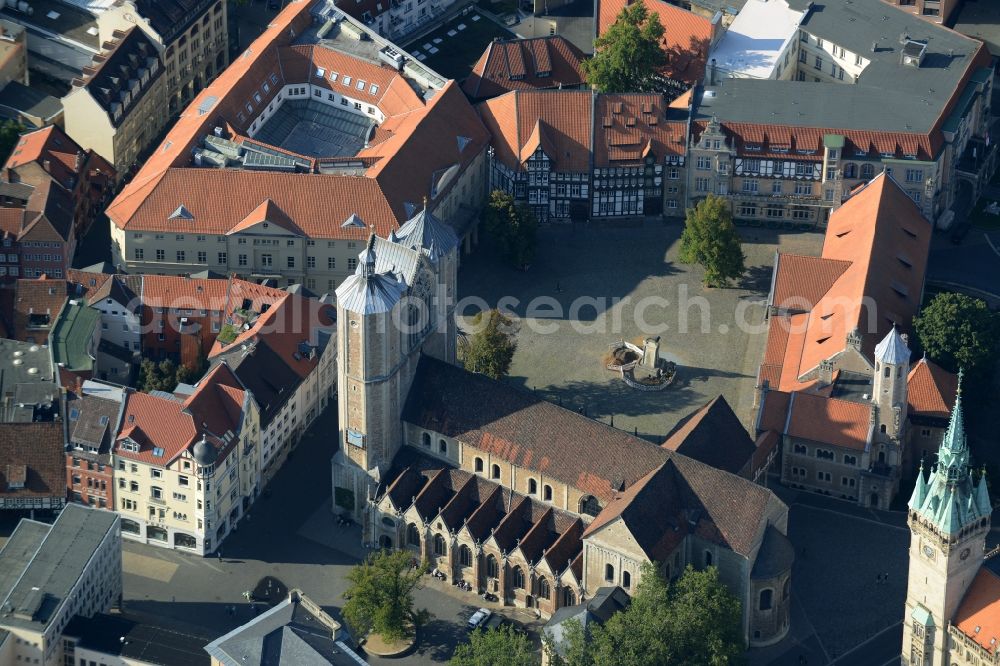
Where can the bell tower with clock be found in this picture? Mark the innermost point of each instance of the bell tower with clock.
(949, 518)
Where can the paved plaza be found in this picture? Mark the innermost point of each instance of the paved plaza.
(595, 285)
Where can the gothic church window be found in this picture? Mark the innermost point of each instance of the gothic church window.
(766, 599)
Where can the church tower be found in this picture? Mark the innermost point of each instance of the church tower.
(399, 304)
(892, 367)
(949, 518)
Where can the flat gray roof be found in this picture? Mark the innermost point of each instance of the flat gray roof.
(55, 566)
(888, 96)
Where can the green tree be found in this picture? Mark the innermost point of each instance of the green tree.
(695, 621)
(10, 132)
(629, 56)
(380, 594)
(514, 227)
(959, 331)
(710, 239)
(499, 647)
(490, 350)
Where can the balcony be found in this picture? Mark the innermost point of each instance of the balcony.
(159, 501)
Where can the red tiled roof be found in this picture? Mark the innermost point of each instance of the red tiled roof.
(34, 454)
(413, 148)
(874, 255)
(631, 126)
(171, 291)
(686, 36)
(774, 411)
(517, 64)
(49, 144)
(930, 390)
(565, 114)
(217, 404)
(42, 296)
(829, 420)
(153, 421)
(978, 616)
(801, 281)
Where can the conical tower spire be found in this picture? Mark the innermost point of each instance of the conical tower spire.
(919, 490)
(954, 452)
(367, 258)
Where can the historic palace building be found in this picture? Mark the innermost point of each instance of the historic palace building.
(320, 132)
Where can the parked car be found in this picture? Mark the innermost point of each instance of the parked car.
(479, 617)
(960, 231)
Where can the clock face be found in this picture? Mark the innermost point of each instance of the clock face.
(964, 554)
(929, 552)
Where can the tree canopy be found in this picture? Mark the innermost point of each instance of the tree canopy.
(710, 239)
(697, 620)
(513, 226)
(166, 375)
(10, 132)
(490, 350)
(497, 647)
(629, 56)
(959, 331)
(380, 594)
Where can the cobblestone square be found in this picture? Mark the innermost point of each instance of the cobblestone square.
(594, 285)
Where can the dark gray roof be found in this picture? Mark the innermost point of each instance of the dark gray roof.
(713, 435)
(289, 633)
(148, 643)
(18, 551)
(55, 567)
(775, 556)
(598, 609)
(909, 99)
(96, 419)
(127, 67)
(30, 102)
(266, 374)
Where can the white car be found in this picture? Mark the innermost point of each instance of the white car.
(479, 617)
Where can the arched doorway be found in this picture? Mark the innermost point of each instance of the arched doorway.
(384, 542)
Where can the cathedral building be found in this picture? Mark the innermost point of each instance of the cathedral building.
(492, 485)
(953, 590)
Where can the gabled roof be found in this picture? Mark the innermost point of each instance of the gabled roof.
(686, 36)
(267, 211)
(567, 115)
(52, 145)
(630, 126)
(521, 428)
(524, 64)
(713, 435)
(801, 281)
(930, 390)
(880, 241)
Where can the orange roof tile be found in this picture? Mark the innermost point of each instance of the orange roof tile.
(801, 281)
(686, 36)
(172, 291)
(930, 390)
(545, 62)
(870, 276)
(567, 115)
(774, 411)
(829, 420)
(638, 123)
(155, 422)
(268, 211)
(978, 616)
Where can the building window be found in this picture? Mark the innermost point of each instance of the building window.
(161, 255)
(589, 505)
(442, 446)
(801, 448)
(223, 258)
(479, 465)
(626, 579)
(492, 568)
(766, 599)
(850, 460)
(547, 493)
(425, 440)
(180, 255)
(495, 472)
(464, 556)
(440, 547)
(412, 535)
(609, 573)
(532, 486)
(517, 578)
(708, 558)
(138, 254)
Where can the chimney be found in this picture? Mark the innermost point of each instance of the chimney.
(717, 29)
(825, 372)
(711, 73)
(79, 386)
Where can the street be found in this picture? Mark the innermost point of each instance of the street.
(291, 536)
